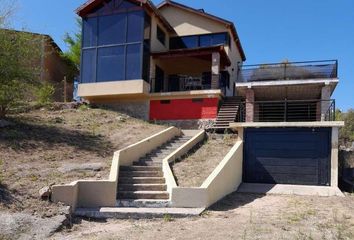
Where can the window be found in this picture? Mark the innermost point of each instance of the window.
(136, 27)
(110, 64)
(113, 47)
(111, 29)
(165, 101)
(194, 41)
(161, 36)
(133, 61)
(89, 32)
(88, 70)
(197, 100)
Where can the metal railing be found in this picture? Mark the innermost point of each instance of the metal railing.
(288, 111)
(288, 71)
(180, 82)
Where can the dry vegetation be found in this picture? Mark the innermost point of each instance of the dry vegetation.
(34, 150)
(238, 216)
(198, 165)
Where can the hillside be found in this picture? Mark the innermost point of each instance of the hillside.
(44, 147)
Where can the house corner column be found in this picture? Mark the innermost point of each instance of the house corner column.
(152, 74)
(325, 101)
(334, 157)
(249, 105)
(215, 70)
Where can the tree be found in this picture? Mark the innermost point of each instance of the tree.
(17, 68)
(346, 133)
(73, 55)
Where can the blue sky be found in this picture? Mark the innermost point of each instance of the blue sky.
(270, 31)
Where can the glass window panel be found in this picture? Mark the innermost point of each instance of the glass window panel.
(110, 64)
(90, 32)
(111, 29)
(219, 39)
(88, 66)
(134, 58)
(124, 4)
(135, 26)
(161, 36)
(190, 41)
(205, 40)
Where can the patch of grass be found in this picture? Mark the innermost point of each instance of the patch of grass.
(84, 107)
(167, 218)
(34, 177)
(299, 216)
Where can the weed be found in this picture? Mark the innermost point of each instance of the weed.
(45, 94)
(84, 107)
(206, 213)
(167, 218)
(34, 177)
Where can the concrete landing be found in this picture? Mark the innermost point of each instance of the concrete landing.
(137, 213)
(290, 189)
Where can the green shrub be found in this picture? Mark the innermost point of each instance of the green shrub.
(45, 93)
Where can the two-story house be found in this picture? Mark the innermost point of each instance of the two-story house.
(169, 62)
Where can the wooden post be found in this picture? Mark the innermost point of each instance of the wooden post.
(65, 89)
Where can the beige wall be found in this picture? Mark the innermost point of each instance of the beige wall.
(224, 180)
(92, 91)
(187, 23)
(156, 45)
(102, 193)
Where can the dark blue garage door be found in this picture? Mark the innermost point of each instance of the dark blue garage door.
(287, 156)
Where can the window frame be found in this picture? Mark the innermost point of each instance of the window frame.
(125, 44)
(161, 35)
(177, 42)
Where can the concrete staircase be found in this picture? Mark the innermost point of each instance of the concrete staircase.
(228, 113)
(143, 184)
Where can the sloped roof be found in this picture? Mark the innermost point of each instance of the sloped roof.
(147, 4)
(209, 16)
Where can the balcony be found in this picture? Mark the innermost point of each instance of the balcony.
(288, 71)
(287, 111)
(189, 82)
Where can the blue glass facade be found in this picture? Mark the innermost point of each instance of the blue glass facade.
(196, 41)
(113, 43)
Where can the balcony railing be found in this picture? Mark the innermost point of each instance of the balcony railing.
(288, 111)
(182, 82)
(288, 71)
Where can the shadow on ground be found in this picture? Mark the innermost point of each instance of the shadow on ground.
(27, 135)
(235, 200)
(7, 197)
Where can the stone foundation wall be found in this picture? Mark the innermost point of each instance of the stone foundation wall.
(189, 124)
(137, 109)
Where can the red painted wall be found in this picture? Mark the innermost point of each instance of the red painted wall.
(182, 109)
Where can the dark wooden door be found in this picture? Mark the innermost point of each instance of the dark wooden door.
(287, 156)
(159, 79)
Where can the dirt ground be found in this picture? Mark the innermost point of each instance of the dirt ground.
(39, 144)
(238, 216)
(193, 170)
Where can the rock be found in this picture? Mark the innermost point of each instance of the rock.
(45, 193)
(96, 167)
(26, 226)
(121, 119)
(4, 123)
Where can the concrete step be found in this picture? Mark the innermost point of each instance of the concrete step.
(142, 187)
(143, 180)
(143, 195)
(148, 164)
(139, 168)
(137, 213)
(141, 173)
(143, 203)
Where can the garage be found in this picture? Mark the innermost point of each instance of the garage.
(287, 156)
